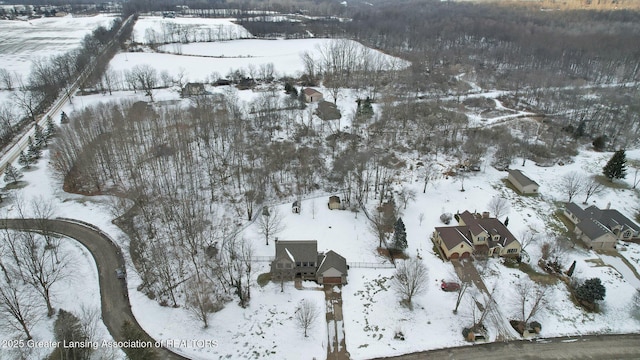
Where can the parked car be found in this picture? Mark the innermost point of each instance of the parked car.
(450, 286)
(120, 274)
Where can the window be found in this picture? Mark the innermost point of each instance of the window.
(626, 234)
(480, 238)
(287, 266)
(279, 265)
(312, 264)
(512, 251)
(298, 263)
(305, 264)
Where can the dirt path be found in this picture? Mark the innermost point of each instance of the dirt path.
(116, 308)
(337, 347)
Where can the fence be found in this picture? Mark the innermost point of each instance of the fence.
(370, 265)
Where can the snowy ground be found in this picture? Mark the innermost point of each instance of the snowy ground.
(22, 41)
(154, 29)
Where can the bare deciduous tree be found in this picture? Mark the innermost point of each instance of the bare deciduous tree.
(305, 315)
(498, 206)
(145, 78)
(270, 223)
(592, 187)
(572, 183)
(410, 279)
(405, 195)
(530, 298)
(201, 300)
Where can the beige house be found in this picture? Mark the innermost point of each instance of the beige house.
(521, 182)
(476, 233)
(312, 95)
(601, 228)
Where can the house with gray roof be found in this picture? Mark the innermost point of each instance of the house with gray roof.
(522, 183)
(301, 259)
(601, 228)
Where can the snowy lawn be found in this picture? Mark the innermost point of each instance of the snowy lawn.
(154, 29)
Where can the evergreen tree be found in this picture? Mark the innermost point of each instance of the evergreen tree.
(11, 174)
(34, 150)
(599, 142)
(25, 160)
(39, 136)
(616, 168)
(399, 235)
(50, 129)
(591, 290)
(64, 118)
(67, 328)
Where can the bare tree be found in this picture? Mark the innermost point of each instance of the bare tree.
(405, 195)
(146, 78)
(593, 187)
(410, 279)
(306, 314)
(429, 174)
(530, 298)
(463, 289)
(527, 237)
(200, 301)
(498, 206)
(6, 79)
(573, 184)
(270, 223)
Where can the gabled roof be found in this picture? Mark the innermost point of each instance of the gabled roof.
(470, 220)
(521, 178)
(453, 236)
(575, 210)
(496, 227)
(311, 91)
(331, 259)
(610, 218)
(297, 250)
(592, 228)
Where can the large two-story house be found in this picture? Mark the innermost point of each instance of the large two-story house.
(301, 259)
(477, 233)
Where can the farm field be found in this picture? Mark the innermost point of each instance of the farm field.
(22, 41)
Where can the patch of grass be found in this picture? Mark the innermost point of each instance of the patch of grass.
(263, 279)
(610, 184)
(540, 278)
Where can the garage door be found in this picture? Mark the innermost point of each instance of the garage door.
(454, 256)
(332, 280)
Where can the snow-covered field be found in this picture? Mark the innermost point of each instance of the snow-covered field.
(154, 29)
(22, 41)
(200, 60)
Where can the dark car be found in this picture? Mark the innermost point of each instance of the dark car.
(450, 286)
(120, 274)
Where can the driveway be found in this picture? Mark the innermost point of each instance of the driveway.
(116, 308)
(337, 347)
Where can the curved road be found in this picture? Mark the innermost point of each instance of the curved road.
(116, 308)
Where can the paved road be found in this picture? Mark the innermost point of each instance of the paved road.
(597, 347)
(116, 308)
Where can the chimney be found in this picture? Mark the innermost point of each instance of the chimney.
(485, 214)
(609, 205)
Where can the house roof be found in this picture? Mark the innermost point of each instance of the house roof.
(453, 236)
(311, 91)
(470, 220)
(575, 210)
(610, 218)
(297, 250)
(592, 228)
(328, 111)
(496, 227)
(331, 259)
(521, 178)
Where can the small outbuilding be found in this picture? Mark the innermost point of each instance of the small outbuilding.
(193, 89)
(334, 202)
(295, 207)
(522, 183)
(312, 95)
